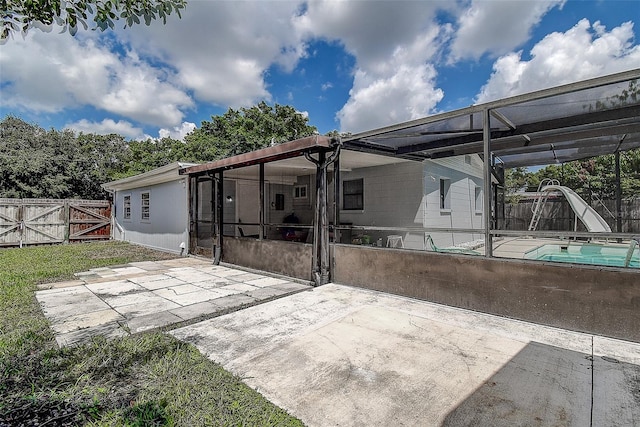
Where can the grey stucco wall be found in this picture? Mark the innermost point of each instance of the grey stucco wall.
(286, 258)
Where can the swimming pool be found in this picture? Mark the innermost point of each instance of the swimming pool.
(586, 253)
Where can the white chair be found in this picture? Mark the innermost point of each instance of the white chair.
(395, 241)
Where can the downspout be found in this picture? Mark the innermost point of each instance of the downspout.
(321, 259)
(114, 220)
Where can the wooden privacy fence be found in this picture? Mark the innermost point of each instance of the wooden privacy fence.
(558, 215)
(45, 221)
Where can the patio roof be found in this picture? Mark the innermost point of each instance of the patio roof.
(285, 150)
(570, 122)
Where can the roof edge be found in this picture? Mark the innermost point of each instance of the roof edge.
(155, 176)
(275, 152)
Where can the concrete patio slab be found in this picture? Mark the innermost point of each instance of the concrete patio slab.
(118, 287)
(115, 301)
(352, 357)
(68, 284)
(266, 292)
(108, 330)
(187, 298)
(266, 281)
(152, 321)
(235, 300)
(148, 266)
(86, 320)
(194, 311)
(165, 282)
(238, 287)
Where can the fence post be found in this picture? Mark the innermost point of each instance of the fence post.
(67, 220)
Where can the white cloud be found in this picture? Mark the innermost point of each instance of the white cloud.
(326, 86)
(393, 79)
(221, 50)
(108, 126)
(478, 31)
(583, 52)
(371, 31)
(51, 72)
(177, 132)
(407, 94)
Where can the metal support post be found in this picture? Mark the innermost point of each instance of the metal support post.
(486, 133)
(219, 229)
(261, 232)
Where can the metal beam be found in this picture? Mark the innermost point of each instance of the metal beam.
(620, 120)
(546, 93)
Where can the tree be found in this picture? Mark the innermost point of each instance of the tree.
(591, 178)
(35, 163)
(23, 15)
(142, 156)
(246, 129)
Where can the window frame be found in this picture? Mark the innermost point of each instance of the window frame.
(298, 191)
(145, 208)
(479, 199)
(358, 195)
(445, 194)
(126, 207)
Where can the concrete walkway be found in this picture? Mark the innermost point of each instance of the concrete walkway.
(115, 301)
(341, 356)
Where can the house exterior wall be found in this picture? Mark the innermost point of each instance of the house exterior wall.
(463, 212)
(408, 195)
(168, 223)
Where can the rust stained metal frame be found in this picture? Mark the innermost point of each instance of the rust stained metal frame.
(269, 154)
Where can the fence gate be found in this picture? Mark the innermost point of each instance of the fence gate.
(45, 221)
(10, 222)
(89, 219)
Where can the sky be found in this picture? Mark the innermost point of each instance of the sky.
(349, 65)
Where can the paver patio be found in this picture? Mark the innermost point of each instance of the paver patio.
(115, 301)
(338, 355)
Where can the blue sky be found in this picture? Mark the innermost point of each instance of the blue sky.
(350, 65)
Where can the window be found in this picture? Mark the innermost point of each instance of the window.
(445, 193)
(353, 195)
(145, 205)
(300, 192)
(478, 199)
(126, 211)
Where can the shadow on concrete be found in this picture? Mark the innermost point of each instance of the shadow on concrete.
(544, 385)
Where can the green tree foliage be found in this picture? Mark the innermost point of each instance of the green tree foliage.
(590, 178)
(246, 129)
(22, 15)
(36, 163)
(234, 132)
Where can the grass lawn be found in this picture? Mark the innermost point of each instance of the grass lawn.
(147, 379)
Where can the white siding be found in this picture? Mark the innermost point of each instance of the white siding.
(408, 195)
(168, 224)
(462, 213)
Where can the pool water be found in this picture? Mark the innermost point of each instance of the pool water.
(586, 253)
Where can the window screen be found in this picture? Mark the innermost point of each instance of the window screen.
(353, 194)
